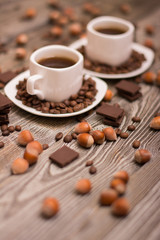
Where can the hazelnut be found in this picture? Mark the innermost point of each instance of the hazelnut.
(22, 39)
(56, 31)
(50, 207)
(19, 166)
(20, 53)
(30, 13)
(119, 185)
(123, 175)
(98, 136)
(75, 29)
(108, 96)
(110, 134)
(155, 123)
(149, 29)
(31, 155)
(83, 186)
(82, 127)
(125, 8)
(34, 145)
(108, 196)
(120, 207)
(142, 156)
(25, 137)
(85, 140)
(149, 43)
(54, 15)
(149, 77)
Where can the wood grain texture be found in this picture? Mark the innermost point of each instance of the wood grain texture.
(80, 217)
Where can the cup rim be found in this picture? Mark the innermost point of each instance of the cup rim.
(33, 55)
(90, 27)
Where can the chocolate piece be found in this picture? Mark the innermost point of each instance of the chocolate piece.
(110, 111)
(7, 76)
(5, 111)
(112, 123)
(4, 102)
(127, 87)
(63, 156)
(130, 98)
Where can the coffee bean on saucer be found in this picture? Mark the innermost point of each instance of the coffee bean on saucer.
(1, 144)
(73, 103)
(5, 133)
(18, 128)
(63, 111)
(74, 97)
(131, 128)
(11, 129)
(136, 119)
(124, 135)
(45, 110)
(136, 144)
(92, 170)
(58, 136)
(69, 110)
(67, 139)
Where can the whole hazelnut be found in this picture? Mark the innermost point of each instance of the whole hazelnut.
(82, 127)
(108, 196)
(20, 53)
(142, 156)
(50, 207)
(83, 186)
(119, 185)
(85, 140)
(56, 31)
(149, 77)
(110, 134)
(19, 166)
(123, 175)
(30, 13)
(149, 43)
(75, 29)
(54, 15)
(34, 145)
(108, 96)
(120, 207)
(22, 39)
(31, 155)
(25, 137)
(98, 136)
(155, 123)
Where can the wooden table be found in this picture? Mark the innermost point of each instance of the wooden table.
(80, 217)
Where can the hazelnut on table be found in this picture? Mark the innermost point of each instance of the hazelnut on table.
(142, 156)
(50, 207)
(155, 123)
(82, 127)
(19, 166)
(85, 140)
(110, 134)
(83, 186)
(108, 196)
(25, 137)
(120, 207)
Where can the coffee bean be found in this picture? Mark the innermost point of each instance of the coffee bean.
(45, 110)
(131, 128)
(67, 103)
(74, 135)
(5, 133)
(58, 136)
(124, 135)
(4, 127)
(74, 97)
(18, 128)
(1, 144)
(89, 163)
(77, 108)
(67, 139)
(62, 105)
(63, 111)
(92, 170)
(136, 119)
(11, 129)
(118, 131)
(1, 85)
(69, 110)
(45, 146)
(136, 144)
(73, 103)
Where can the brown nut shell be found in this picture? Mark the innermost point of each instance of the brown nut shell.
(108, 196)
(155, 123)
(119, 185)
(25, 137)
(98, 136)
(50, 207)
(85, 140)
(123, 175)
(142, 156)
(120, 207)
(19, 166)
(31, 155)
(82, 127)
(83, 186)
(110, 134)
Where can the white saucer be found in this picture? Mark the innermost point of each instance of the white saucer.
(10, 91)
(148, 53)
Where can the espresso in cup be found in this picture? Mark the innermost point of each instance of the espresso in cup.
(110, 30)
(56, 62)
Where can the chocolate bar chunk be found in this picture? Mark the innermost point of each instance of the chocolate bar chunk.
(127, 87)
(4, 102)
(63, 156)
(3, 117)
(110, 111)
(7, 76)
(130, 98)
(112, 123)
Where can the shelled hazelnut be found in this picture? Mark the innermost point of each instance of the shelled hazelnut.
(19, 166)
(25, 137)
(85, 140)
(82, 127)
(50, 207)
(108, 196)
(142, 156)
(83, 186)
(110, 134)
(123, 175)
(120, 207)
(98, 136)
(155, 123)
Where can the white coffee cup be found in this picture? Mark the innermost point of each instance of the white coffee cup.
(109, 49)
(55, 84)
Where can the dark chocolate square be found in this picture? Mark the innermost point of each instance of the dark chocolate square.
(7, 76)
(127, 87)
(63, 156)
(113, 123)
(110, 111)
(130, 98)
(4, 102)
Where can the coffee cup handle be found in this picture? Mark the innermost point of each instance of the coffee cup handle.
(31, 86)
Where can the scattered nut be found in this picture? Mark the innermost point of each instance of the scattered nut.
(34, 145)
(136, 119)
(110, 134)
(125, 8)
(56, 31)
(50, 207)
(120, 207)
(18, 128)
(149, 77)
(108, 96)
(150, 29)
(142, 156)
(30, 13)
(149, 43)
(75, 29)
(98, 136)
(19, 166)
(108, 196)
(21, 53)
(123, 175)
(31, 155)
(131, 127)
(82, 127)
(54, 15)
(85, 140)
(22, 39)
(83, 186)
(119, 185)
(155, 123)
(25, 137)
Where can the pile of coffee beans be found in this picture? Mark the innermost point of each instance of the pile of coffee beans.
(75, 103)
